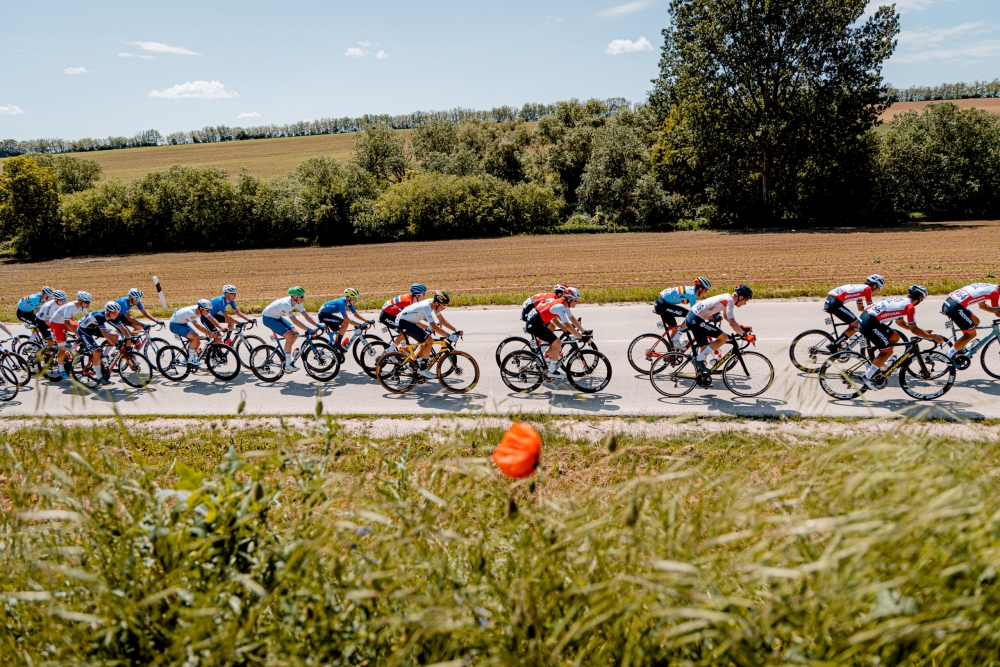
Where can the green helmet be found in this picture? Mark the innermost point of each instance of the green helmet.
(352, 293)
(296, 291)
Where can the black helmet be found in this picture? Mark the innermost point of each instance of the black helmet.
(442, 298)
(917, 292)
(743, 291)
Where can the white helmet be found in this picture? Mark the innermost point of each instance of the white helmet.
(47, 291)
(135, 293)
(229, 289)
(58, 294)
(112, 308)
(571, 293)
(875, 280)
(205, 303)
(84, 296)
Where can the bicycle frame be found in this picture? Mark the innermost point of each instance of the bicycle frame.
(279, 345)
(977, 343)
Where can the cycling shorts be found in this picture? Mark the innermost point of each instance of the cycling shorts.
(207, 323)
(388, 320)
(876, 333)
(58, 332)
(836, 307)
(959, 314)
(88, 343)
(43, 328)
(669, 312)
(413, 330)
(538, 329)
(181, 330)
(701, 329)
(331, 320)
(526, 311)
(28, 317)
(279, 326)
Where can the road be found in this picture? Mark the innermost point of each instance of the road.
(775, 322)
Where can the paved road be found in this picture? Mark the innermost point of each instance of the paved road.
(775, 322)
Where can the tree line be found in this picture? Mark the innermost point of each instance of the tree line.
(948, 91)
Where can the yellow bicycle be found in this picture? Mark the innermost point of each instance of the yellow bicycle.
(398, 371)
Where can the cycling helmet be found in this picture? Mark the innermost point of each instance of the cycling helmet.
(702, 283)
(917, 292)
(875, 280)
(571, 293)
(84, 296)
(205, 303)
(112, 308)
(442, 298)
(58, 295)
(296, 291)
(229, 289)
(47, 291)
(352, 293)
(135, 293)
(418, 288)
(743, 291)
(559, 289)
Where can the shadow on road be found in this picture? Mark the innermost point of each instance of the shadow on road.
(947, 410)
(734, 405)
(437, 398)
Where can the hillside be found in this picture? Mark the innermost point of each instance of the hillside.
(991, 104)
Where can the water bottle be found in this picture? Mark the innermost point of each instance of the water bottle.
(890, 362)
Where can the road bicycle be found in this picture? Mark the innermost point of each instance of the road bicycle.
(585, 368)
(220, 359)
(923, 375)
(374, 349)
(41, 358)
(811, 348)
(745, 372)
(356, 340)
(149, 345)
(398, 372)
(320, 360)
(18, 367)
(511, 343)
(645, 349)
(8, 384)
(132, 365)
(244, 344)
(989, 358)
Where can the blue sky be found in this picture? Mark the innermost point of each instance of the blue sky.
(89, 68)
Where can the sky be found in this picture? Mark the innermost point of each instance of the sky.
(100, 68)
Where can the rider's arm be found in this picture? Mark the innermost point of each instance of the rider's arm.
(239, 313)
(200, 327)
(6, 330)
(917, 331)
(990, 309)
(145, 313)
(446, 323)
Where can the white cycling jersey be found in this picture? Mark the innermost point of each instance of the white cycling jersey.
(893, 308)
(47, 310)
(282, 308)
(185, 315)
(415, 312)
(65, 312)
(967, 296)
(853, 292)
(721, 303)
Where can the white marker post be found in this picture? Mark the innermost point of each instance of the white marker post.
(159, 292)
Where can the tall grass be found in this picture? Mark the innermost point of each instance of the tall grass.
(326, 549)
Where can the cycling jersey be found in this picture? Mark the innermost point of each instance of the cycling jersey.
(66, 312)
(418, 311)
(282, 308)
(538, 298)
(337, 306)
(126, 309)
(679, 295)
(47, 309)
(219, 305)
(977, 293)
(94, 322)
(722, 303)
(550, 310)
(894, 308)
(185, 315)
(395, 306)
(852, 292)
(30, 302)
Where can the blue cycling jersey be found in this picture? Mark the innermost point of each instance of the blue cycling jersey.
(123, 302)
(32, 302)
(219, 305)
(337, 306)
(679, 295)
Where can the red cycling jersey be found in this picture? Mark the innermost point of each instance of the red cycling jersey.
(846, 293)
(893, 308)
(977, 293)
(395, 306)
(545, 310)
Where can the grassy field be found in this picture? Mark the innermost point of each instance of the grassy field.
(608, 267)
(248, 546)
(989, 104)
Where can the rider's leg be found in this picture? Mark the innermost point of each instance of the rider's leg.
(426, 346)
(289, 337)
(881, 357)
(193, 345)
(342, 331)
(967, 335)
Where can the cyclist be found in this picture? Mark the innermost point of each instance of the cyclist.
(186, 322)
(336, 318)
(532, 301)
(279, 317)
(132, 300)
(956, 307)
(100, 323)
(897, 308)
(62, 320)
(28, 306)
(699, 324)
(45, 314)
(836, 305)
(544, 319)
(410, 322)
(393, 307)
(221, 303)
(668, 306)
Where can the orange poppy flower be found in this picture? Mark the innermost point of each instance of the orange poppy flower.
(518, 452)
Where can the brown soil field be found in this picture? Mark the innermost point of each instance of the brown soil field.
(608, 267)
(986, 104)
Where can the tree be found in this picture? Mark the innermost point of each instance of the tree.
(763, 86)
(381, 152)
(75, 174)
(29, 209)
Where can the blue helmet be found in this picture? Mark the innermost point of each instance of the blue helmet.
(418, 288)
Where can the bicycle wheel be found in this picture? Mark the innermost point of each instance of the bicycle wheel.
(840, 375)
(222, 361)
(990, 358)
(809, 350)
(508, 345)
(151, 348)
(135, 370)
(17, 366)
(245, 347)
(644, 350)
(522, 371)
(321, 362)
(83, 371)
(8, 384)
(267, 363)
(588, 371)
(395, 373)
(457, 371)
(171, 361)
(750, 378)
(370, 355)
(19, 340)
(673, 375)
(359, 343)
(930, 381)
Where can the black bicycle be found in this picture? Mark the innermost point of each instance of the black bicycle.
(585, 368)
(221, 360)
(923, 374)
(744, 372)
(511, 343)
(811, 348)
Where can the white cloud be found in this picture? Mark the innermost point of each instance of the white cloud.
(195, 90)
(622, 10)
(125, 54)
(956, 42)
(975, 51)
(921, 38)
(620, 46)
(77, 70)
(381, 55)
(903, 6)
(355, 52)
(249, 114)
(159, 47)
(367, 44)
(11, 110)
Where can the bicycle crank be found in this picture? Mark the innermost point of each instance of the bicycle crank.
(961, 361)
(704, 380)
